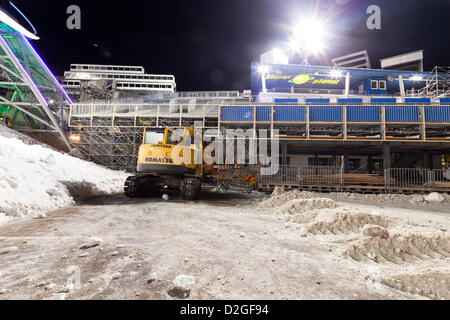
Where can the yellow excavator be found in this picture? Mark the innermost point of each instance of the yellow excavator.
(167, 161)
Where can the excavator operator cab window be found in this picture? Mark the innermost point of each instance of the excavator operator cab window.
(154, 137)
(174, 137)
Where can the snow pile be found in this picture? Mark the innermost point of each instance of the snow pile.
(280, 198)
(416, 199)
(35, 179)
(432, 284)
(372, 230)
(434, 197)
(405, 245)
(296, 206)
(407, 256)
(344, 222)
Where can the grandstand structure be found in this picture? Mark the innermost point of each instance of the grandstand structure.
(357, 121)
(88, 82)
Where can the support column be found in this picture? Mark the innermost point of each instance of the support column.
(428, 160)
(284, 150)
(334, 159)
(386, 156)
(369, 164)
(346, 160)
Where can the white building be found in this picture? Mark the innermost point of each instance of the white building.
(108, 81)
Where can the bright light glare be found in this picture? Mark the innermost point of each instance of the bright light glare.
(263, 69)
(75, 137)
(335, 73)
(308, 35)
(416, 78)
(280, 57)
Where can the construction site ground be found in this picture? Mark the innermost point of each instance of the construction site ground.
(230, 244)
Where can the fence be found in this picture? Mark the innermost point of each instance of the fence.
(396, 178)
(310, 175)
(416, 178)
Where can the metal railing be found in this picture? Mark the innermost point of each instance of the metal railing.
(415, 178)
(140, 110)
(285, 175)
(310, 175)
(321, 175)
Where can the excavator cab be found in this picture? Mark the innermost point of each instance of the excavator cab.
(163, 151)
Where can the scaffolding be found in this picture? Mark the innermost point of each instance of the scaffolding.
(110, 134)
(438, 86)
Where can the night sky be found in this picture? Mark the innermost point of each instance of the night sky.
(209, 44)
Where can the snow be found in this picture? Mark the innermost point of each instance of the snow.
(435, 197)
(184, 282)
(372, 230)
(410, 249)
(35, 179)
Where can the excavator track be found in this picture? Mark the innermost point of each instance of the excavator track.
(140, 186)
(132, 187)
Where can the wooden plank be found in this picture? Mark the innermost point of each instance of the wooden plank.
(438, 184)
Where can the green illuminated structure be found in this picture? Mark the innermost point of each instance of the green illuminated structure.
(31, 98)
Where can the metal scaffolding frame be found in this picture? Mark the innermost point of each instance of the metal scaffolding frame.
(438, 86)
(110, 134)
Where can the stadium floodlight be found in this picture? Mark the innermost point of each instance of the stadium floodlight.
(336, 73)
(307, 38)
(263, 71)
(274, 56)
(280, 57)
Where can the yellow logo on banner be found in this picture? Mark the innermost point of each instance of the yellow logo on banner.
(302, 79)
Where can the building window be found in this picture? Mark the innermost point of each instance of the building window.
(373, 84)
(326, 162)
(382, 85)
(354, 164)
(377, 165)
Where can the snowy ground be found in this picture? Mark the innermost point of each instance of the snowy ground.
(234, 247)
(35, 179)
